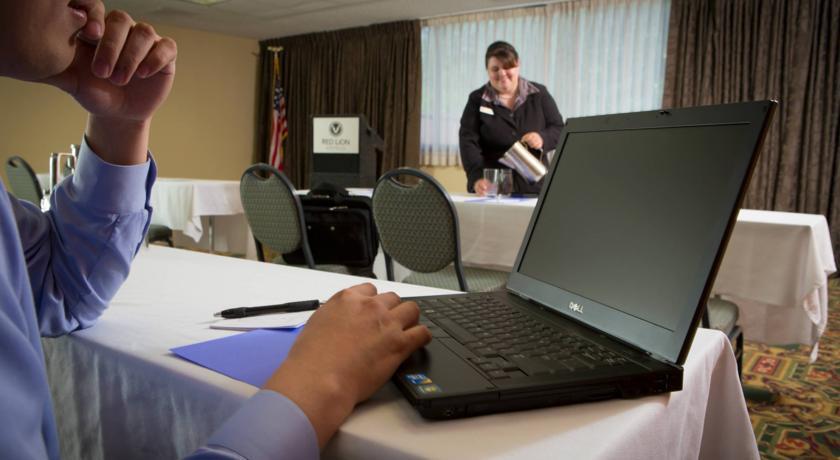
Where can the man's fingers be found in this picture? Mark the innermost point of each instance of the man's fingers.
(95, 26)
(364, 289)
(126, 48)
(161, 59)
(344, 295)
(406, 313)
(416, 337)
(117, 27)
(140, 41)
(389, 299)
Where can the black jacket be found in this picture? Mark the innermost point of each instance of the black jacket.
(484, 138)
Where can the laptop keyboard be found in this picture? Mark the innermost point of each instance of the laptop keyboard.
(504, 342)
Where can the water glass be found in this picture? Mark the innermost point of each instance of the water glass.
(500, 182)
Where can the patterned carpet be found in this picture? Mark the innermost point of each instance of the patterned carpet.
(804, 420)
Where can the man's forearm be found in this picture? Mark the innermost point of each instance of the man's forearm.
(119, 141)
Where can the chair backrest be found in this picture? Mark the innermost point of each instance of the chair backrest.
(273, 211)
(23, 181)
(417, 223)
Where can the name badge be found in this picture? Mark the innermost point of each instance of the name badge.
(486, 110)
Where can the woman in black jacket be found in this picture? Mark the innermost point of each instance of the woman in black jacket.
(506, 109)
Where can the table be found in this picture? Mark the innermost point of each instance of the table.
(189, 205)
(492, 229)
(119, 392)
(776, 265)
(776, 269)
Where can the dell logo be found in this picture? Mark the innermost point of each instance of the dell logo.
(335, 128)
(576, 307)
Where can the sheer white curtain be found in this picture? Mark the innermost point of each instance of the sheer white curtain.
(594, 56)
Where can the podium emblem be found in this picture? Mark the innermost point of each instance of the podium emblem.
(336, 128)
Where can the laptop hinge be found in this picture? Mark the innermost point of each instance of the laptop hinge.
(655, 356)
(649, 353)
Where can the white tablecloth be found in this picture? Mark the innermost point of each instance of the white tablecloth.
(119, 392)
(187, 205)
(776, 269)
(492, 230)
(776, 265)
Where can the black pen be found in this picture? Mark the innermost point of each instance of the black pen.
(288, 307)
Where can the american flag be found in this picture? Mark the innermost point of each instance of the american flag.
(279, 127)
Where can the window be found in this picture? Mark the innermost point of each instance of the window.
(594, 56)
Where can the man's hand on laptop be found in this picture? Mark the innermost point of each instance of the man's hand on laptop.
(348, 349)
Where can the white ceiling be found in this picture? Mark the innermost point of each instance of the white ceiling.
(263, 19)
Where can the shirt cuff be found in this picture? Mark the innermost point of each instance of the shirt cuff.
(112, 188)
(268, 426)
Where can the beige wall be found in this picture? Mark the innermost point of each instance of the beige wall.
(453, 178)
(204, 130)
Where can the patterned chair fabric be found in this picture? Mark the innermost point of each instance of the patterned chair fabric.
(23, 182)
(722, 315)
(479, 279)
(272, 209)
(418, 227)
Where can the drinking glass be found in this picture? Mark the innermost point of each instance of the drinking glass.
(500, 182)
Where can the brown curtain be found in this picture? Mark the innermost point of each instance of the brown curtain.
(739, 50)
(374, 71)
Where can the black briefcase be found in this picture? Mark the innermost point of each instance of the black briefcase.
(340, 229)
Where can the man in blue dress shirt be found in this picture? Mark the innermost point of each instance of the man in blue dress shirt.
(59, 270)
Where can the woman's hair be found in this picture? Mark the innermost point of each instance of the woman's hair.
(504, 52)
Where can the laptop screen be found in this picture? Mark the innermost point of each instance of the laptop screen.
(629, 225)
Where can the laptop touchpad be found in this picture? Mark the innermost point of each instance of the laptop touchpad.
(445, 372)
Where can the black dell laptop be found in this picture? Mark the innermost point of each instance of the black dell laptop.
(613, 273)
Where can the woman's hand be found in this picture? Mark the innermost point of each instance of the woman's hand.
(533, 140)
(481, 186)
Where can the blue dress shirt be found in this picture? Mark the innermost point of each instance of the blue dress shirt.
(58, 271)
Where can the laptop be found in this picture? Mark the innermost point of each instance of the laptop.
(613, 273)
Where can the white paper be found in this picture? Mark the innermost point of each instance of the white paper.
(270, 321)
